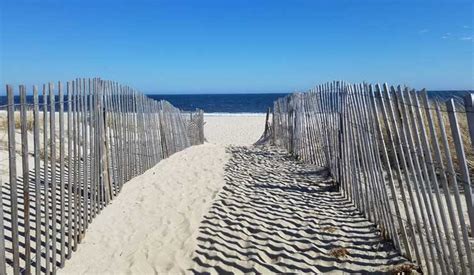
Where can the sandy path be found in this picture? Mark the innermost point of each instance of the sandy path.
(236, 130)
(277, 215)
(151, 227)
(259, 212)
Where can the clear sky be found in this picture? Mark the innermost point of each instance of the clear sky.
(238, 46)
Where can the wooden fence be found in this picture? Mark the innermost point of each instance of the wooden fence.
(404, 160)
(78, 144)
(194, 122)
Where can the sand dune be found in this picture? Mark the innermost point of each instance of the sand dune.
(151, 227)
(235, 130)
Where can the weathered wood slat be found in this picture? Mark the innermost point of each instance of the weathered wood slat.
(37, 181)
(62, 183)
(469, 107)
(3, 262)
(86, 159)
(70, 169)
(25, 178)
(52, 145)
(13, 179)
(46, 191)
(461, 156)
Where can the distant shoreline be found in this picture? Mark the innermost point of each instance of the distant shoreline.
(232, 104)
(219, 114)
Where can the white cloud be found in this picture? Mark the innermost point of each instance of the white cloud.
(466, 38)
(446, 35)
(423, 31)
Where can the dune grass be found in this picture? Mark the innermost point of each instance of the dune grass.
(463, 127)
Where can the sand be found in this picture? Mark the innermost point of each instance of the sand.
(278, 215)
(229, 206)
(234, 130)
(152, 226)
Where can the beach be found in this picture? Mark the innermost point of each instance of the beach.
(152, 226)
(228, 206)
(234, 129)
(167, 137)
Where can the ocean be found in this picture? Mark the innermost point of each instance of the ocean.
(222, 103)
(236, 103)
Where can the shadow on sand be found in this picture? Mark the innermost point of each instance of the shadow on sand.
(81, 202)
(278, 215)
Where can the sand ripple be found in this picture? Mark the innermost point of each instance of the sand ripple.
(278, 215)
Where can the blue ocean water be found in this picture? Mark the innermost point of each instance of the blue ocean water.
(237, 103)
(222, 103)
(210, 103)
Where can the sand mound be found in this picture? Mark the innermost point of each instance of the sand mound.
(151, 227)
(235, 130)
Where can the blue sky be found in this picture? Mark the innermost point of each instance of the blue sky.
(238, 46)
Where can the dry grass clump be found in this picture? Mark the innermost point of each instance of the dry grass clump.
(29, 121)
(29, 126)
(403, 269)
(339, 252)
(463, 127)
(330, 229)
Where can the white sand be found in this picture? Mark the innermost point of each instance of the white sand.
(235, 130)
(151, 227)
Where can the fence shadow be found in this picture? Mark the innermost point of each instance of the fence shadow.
(278, 215)
(46, 232)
